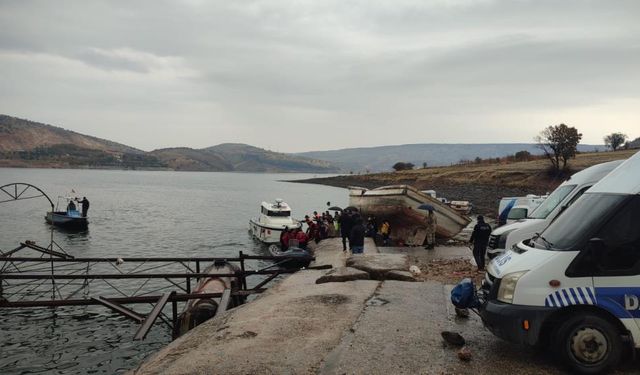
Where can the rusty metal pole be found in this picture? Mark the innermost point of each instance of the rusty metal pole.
(174, 313)
(243, 278)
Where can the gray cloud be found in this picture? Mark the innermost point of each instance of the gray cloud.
(322, 74)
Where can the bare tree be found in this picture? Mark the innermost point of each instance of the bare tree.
(402, 166)
(559, 144)
(615, 140)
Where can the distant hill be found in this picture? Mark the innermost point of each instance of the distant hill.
(188, 159)
(25, 143)
(253, 159)
(376, 159)
(239, 157)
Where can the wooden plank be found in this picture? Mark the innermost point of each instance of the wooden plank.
(120, 309)
(152, 317)
(224, 302)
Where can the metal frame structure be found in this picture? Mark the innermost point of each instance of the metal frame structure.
(54, 278)
(23, 282)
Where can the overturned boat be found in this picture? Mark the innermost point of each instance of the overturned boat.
(197, 311)
(399, 204)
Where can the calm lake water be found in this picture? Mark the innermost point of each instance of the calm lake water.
(133, 213)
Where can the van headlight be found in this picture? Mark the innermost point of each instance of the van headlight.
(502, 240)
(508, 286)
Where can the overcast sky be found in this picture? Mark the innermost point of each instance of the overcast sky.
(313, 75)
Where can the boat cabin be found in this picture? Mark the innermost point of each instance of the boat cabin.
(277, 209)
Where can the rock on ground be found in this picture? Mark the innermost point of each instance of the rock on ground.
(377, 265)
(342, 274)
(399, 275)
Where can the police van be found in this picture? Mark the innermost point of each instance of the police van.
(575, 288)
(506, 236)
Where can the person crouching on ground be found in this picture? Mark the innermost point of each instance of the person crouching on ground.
(480, 240)
(356, 237)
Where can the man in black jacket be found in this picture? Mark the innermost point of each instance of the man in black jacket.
(480, 240)
(346, 223)
(356, 237)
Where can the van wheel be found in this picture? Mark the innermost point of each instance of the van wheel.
(588, 344)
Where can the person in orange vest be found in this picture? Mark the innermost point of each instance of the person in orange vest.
(384, 230)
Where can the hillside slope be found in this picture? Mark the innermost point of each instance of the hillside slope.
(483, 185)
(23, 135)
(378, 159)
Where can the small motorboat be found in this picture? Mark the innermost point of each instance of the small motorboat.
(197, 311)
(69, 219)
(273, 219)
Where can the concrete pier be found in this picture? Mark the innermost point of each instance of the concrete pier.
(355, 327)
(291, 328)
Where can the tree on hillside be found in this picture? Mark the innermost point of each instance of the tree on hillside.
(615, 140)
(523, 155)
(402, 166)
(559, 144)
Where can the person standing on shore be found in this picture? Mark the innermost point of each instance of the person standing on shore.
(480, 240)
(356, 237)
(432, 223)
(346, 223)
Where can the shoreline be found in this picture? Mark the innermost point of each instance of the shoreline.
(485, 198)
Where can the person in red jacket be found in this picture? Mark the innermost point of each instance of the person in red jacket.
(284, 239)
(302, 239)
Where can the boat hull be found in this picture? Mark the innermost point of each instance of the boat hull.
(197, 311)
(64, 220)
(269, 233)
(399, 205)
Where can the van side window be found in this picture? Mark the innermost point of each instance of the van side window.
(621, 236)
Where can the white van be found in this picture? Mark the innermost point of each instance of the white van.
(506, 236)
(511, 209)
(576, 287)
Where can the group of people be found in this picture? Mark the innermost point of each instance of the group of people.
(353, 230)
(84, 202)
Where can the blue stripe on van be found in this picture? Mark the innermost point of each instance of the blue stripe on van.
(569, 297)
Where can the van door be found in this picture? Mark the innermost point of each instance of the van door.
(617, 273)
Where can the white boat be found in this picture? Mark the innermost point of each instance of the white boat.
(400, 205)
(273, 219)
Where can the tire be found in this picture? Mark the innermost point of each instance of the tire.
(588, 344)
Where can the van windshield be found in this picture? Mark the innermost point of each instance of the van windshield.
(573, 229)
(552, 202)
(517, 213)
